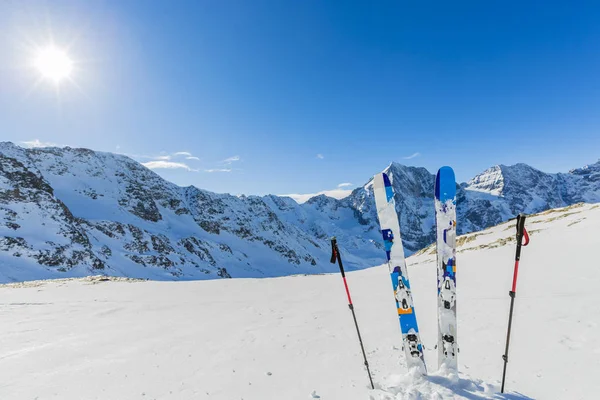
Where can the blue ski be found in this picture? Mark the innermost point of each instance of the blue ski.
(445, 217)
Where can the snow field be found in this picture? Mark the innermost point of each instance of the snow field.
(294, 338)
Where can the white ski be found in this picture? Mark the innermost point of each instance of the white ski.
(390, 229)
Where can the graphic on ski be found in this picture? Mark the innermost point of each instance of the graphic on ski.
(390, 229)
(445, 216)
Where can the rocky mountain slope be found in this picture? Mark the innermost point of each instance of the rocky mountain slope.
(75, 212)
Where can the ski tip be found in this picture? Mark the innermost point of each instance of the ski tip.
(447, 169)
(445, 184)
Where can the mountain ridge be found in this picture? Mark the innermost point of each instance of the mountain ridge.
(106, 213)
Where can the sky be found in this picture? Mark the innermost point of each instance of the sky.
(281, 97)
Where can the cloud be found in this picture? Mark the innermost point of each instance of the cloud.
(320, 156)
(167, 165)
(38, 143)
(417, 154)
(345, 184)
(218, 170)
(163, 156)
(224, 165)
(335, 193)
(230, 160)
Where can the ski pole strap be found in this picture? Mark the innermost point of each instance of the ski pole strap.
(526, 236)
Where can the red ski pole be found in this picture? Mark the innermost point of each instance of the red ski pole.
(335, 256)
(521, 234)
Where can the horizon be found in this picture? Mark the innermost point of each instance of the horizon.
(337, 193)
(304, 98)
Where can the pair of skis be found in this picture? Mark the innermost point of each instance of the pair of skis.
(445, 211)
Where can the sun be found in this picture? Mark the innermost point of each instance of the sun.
(54, 64)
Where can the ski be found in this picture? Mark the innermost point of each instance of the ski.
(445, 216)
(390, 230)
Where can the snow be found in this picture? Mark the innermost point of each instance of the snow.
(338, 193)
(490, 181)
(293, 337)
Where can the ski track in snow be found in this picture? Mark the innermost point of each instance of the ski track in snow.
(294, 338)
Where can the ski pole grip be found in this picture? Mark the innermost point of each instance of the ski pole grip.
(335, 255)
(520, 233)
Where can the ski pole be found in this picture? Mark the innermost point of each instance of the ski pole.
(521, 233)
(335, 255)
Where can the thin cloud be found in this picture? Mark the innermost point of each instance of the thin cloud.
(168, 165)
(218, 170)
(345, 184)
(320, 156)
(163, 155)
(38, 143)
(224, 165)
(417, 154)
(230, 160)
(192, 158)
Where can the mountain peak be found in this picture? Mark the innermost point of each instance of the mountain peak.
(495, 180)
(396, 167)
(590, 172)
(489, 181)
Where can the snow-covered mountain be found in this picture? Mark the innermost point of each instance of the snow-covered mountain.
(76, 212)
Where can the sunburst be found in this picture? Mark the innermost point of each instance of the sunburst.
(53, 64)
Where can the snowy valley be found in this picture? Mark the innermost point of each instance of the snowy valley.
(293, 337)
(68, 212)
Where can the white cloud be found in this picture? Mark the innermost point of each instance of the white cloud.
(320, 156)
(167, 165)
(163, 156)
(230, 160)
(417, 154)
(218, 170)
(345, 184)
(38, 143)
(335, 193)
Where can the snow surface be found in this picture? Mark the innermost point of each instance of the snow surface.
(293, 337)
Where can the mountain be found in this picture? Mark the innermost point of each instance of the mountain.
(118, 338)
(75, 212)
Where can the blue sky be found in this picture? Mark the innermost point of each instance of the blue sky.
(301, 96)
